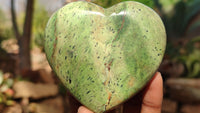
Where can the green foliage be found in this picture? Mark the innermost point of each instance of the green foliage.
(194, 26)
(2, 20)
(109, 3)
(191, 58)
(39, 23)
(40, 19)
(6, 93)
(2, 17)
(189, 55)
(5, 31)
(177, 14)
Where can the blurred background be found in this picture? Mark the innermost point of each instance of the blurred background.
(28, 85)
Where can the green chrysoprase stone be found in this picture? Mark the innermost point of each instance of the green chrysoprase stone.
(104, 56)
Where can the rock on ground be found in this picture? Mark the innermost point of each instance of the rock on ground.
(13, 109)
(190, 108)
(48, 106)
(169, 106)
(25, 89)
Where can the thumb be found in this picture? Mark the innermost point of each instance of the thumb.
(83, 109)
(152, 100)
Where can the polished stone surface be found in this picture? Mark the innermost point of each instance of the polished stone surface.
(104, 56)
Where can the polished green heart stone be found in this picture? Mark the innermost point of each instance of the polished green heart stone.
(104, 56)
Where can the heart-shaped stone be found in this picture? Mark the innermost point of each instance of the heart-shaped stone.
(104, 56)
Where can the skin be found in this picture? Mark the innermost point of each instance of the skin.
(151, 101)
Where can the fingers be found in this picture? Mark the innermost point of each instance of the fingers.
(152, 100)
(83, 109)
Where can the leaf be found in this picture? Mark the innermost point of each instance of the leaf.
(192, 10)
(3, 88)
(196, 69)
(10, 102)
(9, 82)
(1, 98)
(196, 39)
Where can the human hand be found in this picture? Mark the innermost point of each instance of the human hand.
(151, 100)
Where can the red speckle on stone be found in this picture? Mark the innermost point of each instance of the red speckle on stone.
(110, 63)
(108, 68)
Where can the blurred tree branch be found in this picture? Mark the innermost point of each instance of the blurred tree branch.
(15, 27)
(24, 38)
